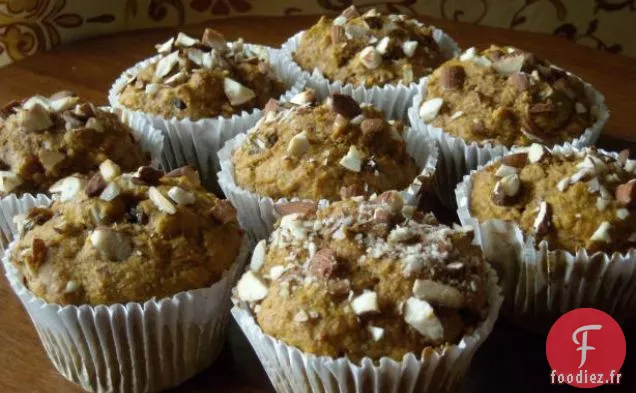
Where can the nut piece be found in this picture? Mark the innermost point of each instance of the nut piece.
(517, 160)
(297, 207)
(305, 97)
(109, 170)
(520, 81)
(323, 263)
(383, 45)
(35, 119)
(452, 77)
(188, 172)
(214, 40)
(224, 212)
(372, 126)
(236, 93)
(602, 233)
(409, 47)
(377, 333)
(185, 41)
(166, 47)
(95, 185)
(506, 189)
(49, 159)
(626, 194)
(337, 34)
(535, 153)
(352, 160)
(94, 124)
(251, 288)
(166, 64)
(161, 202)
(258, 256)
(63, 103)
(111, 192)
(505, 170)
(147, 175)
(370, 57)
(345, 105)
(67, 187)
(437, 293)
(430, 109)
(542, 222)
(113, 245)
(509, 65)
(350, 12)
(421, 316)
(365, 303)
(298, 145)
(392, 199)
(9, 181)
(181, 196)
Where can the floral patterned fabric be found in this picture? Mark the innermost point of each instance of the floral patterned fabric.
(27, 26)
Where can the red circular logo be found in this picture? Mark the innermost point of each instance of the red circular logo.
(586, 348)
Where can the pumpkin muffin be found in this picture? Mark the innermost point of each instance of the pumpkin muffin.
(328, 150)
(366, 278)
(45, 139)
(506, 96)
(202, 78)
(118, 238)
(576, 200)
(371, 49)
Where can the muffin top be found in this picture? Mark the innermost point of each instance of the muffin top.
(365, 278)
(572, 200)
(370, 49)
(45, 139)
(508, 97)
(308, 150)
(196, 79)
(117, 238)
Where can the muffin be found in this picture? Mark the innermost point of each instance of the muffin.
(144, 258)
(558, 225)
(201, 92)
(331, 150)
(362, 51)
(43, 140)
(362, 281)
(482, 104)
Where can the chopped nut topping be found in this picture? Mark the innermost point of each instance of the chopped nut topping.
(67, 187)
(505, 170)
(236, 93)
(365, 303)
(298, 145)
(509, 65)
(147, 175)
(383, 45)
(421, 316)
(35, 119)
(181, 196)
(535, 153)
(323, 263)
(305, 97)
(345, 105)
(258, 256)
(452, 77)
(437, 293)
(166, 64)
(186, 171)
(111, 192)
(370, 57)
(50, 159)
(185, 40)
(113, 245)
(622, 214)
(377, 333)
(298, 207)
(161, 202)
(71, 287)
(251, 288)
(409, 47)
(517, 160)
(542, 222)
(109, 170)
(506, 189)
(224, 212)
(353, 160)
(430, 109)
(602, 233)
(626, 194)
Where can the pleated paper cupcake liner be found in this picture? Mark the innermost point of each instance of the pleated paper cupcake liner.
(256, 213)
(438, 370)
(133, 347)
(196, 143)
(540, 284)
(150, 139)
(458, 157)
(394, 100)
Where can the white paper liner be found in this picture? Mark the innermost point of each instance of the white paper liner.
(540, 284)
(290, 370)
(196, 143)
(458, 157)
(133, 347)
(394, 100)
(256, 212)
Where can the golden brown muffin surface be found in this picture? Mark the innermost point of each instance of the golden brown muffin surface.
(202, 78)
(506, 96)
(581, 200)
(137, 236)
(45, 139)
(358, 278)
(315, 151)
(370, 49)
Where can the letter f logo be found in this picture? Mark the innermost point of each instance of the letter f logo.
(583, 344)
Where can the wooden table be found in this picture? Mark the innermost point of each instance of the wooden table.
(510, 361)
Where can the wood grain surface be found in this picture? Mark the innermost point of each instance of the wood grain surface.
(510, 361)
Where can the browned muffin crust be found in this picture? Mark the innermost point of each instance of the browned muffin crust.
(370, 49)
(366, 278)
(323, 151)
(581, 200)
(117, 238)
(45, 139)
(506, 96)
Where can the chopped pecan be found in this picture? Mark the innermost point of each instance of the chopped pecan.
(323, 263)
